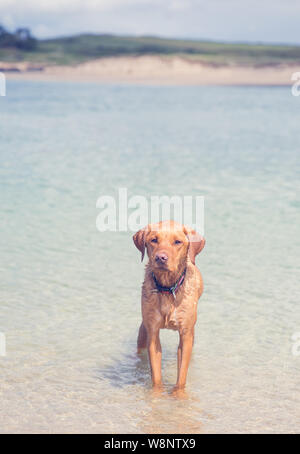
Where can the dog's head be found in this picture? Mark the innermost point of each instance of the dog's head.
(168, 245)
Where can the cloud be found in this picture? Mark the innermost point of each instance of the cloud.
(229, 20)
(73, 6)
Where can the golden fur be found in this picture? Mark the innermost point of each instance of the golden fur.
(180, 245)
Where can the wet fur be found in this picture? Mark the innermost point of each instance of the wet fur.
(160, 310)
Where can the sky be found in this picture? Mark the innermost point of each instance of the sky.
(276, 21)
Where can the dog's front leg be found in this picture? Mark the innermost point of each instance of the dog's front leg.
(154, 352)
(184, 355)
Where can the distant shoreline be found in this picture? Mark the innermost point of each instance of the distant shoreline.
(153, 70)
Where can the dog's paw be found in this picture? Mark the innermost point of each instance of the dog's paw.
(179, 393)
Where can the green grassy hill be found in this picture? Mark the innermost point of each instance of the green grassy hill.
(75, 49)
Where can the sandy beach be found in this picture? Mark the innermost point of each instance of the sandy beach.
(153, 70)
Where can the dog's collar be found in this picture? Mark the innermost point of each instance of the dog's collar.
(174, 288)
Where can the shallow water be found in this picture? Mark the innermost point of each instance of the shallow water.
(70, 295)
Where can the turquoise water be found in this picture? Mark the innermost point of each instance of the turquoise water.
(70, 295)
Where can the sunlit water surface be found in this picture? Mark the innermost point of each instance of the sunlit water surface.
(70, 295)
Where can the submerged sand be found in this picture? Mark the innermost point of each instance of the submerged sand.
(155, 70)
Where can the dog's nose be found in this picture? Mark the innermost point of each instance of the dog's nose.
(161, 258)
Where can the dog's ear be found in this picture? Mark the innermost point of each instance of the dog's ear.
(196, 243)
(139, 240)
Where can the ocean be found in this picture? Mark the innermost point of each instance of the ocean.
(70, 294)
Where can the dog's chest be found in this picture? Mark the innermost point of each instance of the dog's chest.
(169, 313)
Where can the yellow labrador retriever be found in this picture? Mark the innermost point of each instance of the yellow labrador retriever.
(170, 292)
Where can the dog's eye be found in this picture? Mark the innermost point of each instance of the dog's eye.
(154, 240)
(177, 242)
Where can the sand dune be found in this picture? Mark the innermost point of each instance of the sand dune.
(155, 70)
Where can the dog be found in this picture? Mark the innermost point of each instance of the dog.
(170, 292)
